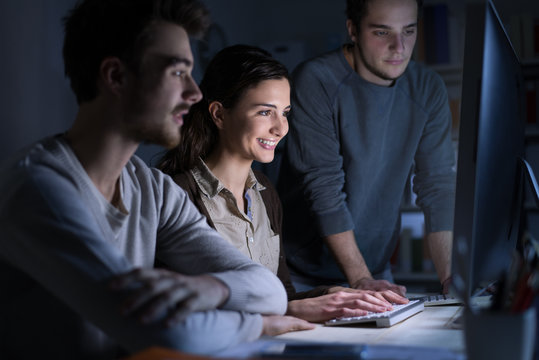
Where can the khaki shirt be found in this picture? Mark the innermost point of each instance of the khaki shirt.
(249, 232)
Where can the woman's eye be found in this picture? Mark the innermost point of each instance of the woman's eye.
(264, 112)
(178, 73)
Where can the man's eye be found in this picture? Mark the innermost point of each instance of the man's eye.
(380, 33)
(179, 73)
(409, 32)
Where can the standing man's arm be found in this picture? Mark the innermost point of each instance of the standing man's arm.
(440, 245)
(434, 181)
(348, 256)
(315, 152)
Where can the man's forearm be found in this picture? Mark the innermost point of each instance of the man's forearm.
(440, 245)
(347, 255)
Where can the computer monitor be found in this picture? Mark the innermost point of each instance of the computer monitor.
(490, 180)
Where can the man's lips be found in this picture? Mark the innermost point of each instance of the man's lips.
(394, 61)
(178, 116)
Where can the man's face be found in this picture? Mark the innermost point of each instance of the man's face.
(162, 91)
(385, 39)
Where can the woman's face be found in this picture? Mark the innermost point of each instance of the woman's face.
(252, 129)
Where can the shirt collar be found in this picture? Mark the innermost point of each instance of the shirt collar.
(210, 185)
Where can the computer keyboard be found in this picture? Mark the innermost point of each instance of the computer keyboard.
(440, 299)
(399, 313)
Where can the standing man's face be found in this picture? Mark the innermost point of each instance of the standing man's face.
(385, 39)
(162, 91)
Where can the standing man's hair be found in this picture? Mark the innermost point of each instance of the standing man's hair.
(356, 10)
(96, 29)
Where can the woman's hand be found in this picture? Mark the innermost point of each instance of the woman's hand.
(277, 324)
(343, 302)
(388, 295)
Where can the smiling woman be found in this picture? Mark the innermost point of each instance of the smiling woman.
(244, 89)
(251, 129)
(241, 118)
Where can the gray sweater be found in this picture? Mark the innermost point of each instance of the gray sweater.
(347, 157)
(61, 242)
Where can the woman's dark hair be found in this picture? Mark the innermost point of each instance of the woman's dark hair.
(96, 29)
(356, 10)
(232, 72)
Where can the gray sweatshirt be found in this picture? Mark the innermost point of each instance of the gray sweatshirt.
(348, 154)
(61, 242)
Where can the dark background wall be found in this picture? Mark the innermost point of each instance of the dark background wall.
(36, 101)
(35, 98)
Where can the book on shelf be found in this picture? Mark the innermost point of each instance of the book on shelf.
(531, 106)
(440, 36)
(536, 36)
(436, 34)
(532, 99)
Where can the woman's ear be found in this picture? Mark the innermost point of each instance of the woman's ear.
(217, 111)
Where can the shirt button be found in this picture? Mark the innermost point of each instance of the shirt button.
(251, 239)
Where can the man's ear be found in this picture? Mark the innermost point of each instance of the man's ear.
(112, 74)
(352, 30)
(217, 110)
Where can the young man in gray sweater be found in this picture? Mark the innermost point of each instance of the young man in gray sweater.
(83, 221)
(362, 117)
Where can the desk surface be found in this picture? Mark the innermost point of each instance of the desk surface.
(430, 328)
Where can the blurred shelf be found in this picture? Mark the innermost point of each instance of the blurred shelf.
(418, 281)
(530, 68)
(451, 73)
(532, 133)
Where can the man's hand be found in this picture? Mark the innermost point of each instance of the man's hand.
(341, 304)
(350, 260)
(446, 285)
(154, 292)
(277, 324)
(379, 285)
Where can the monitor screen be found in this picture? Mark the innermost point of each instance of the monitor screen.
(489, 186)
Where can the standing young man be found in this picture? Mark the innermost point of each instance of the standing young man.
(83, 220)
(363, 116)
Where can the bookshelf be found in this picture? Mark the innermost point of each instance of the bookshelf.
(531, 80)
(522, 24)
(440, 46)
(531, 76)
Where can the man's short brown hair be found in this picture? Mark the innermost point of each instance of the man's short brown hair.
(96, 29)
